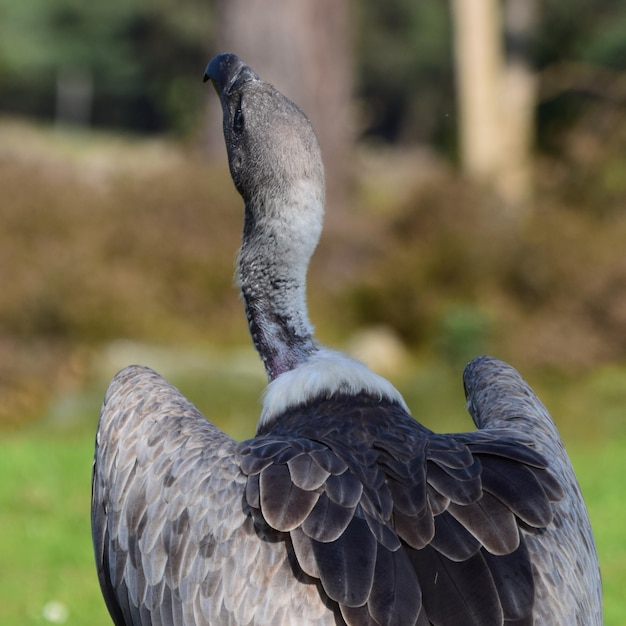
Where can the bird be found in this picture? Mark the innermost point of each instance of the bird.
(343, 508)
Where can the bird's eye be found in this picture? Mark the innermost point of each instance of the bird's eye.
(238, 121)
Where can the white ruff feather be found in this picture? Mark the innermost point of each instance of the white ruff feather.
(323, 375)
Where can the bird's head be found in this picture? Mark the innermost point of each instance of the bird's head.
(272, 148)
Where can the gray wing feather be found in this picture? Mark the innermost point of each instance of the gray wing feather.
(564, 558)
(173, 541)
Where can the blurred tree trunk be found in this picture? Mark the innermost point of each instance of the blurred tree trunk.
(74, 97)
(496, 93)
(304, 49)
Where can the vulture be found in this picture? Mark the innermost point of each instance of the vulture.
(342, 509)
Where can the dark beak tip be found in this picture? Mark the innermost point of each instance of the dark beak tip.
(223, 69)
(219, 68)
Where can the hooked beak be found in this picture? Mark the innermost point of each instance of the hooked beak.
(227, 70)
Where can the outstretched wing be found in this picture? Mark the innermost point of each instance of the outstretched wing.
(402, 526)
(372, 511)
(173, 541)
(565, 562)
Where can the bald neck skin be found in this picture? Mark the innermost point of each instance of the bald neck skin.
(278, 242)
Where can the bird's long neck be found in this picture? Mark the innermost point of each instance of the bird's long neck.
(272, 267)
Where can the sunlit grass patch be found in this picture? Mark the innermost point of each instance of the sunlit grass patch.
(47, 572)
(601, 471)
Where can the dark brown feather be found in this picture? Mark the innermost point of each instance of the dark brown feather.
(518, 488)
(452, 540)
(409, 498)
(415, 531)
(357, 616)
(329, 462)
(549, 483)
(327, 520)
(457, 594)
(397, 602)
(459, 491)
(498, 442)
(513, 578)
(283, 505)
(347, 565)
(306, 473)
(344, 489)
(491, 522)
(448, 450)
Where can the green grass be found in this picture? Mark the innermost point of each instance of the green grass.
(601, 471)
(45, 542)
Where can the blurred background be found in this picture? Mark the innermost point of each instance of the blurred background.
(476, 166)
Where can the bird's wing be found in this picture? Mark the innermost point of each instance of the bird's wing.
(499, 398)
(173, 541)
(401, 526)
(565, 561)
